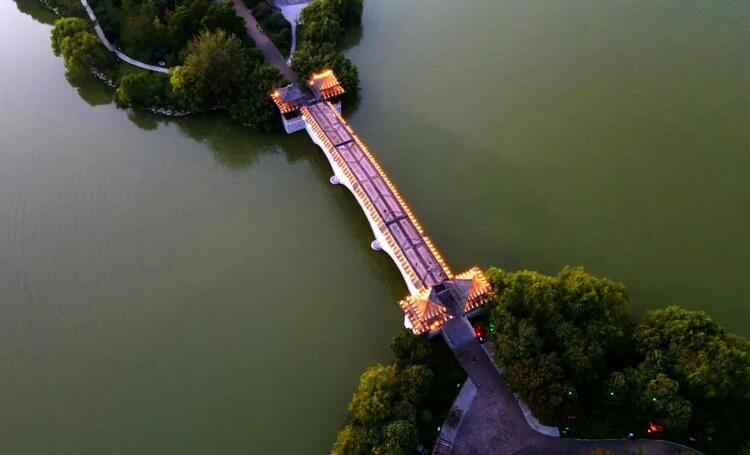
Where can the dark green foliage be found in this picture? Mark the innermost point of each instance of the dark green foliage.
(215, 67)
(659, 400)
(558, 333)
(145, 35)
(351, 440)
(326, 21)
(399, 438)
(142, 90)
(410, 350)
(185, 22)
(349, 12)
(274, 25)
(321, 24)
(107, 17)
(569, 349)
(396, 407)
(81, 50)
(253, 105)
(64, 28)
(540, 382)
(222, 16)
(312, 58)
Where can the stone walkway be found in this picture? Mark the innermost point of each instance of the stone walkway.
(113, 49)
(495, 424)
(291, 10)
(271, 54)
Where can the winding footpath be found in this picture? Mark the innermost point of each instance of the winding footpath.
(113, 49)
(271, 54)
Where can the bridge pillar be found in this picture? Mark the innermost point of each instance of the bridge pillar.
(375, 245)
(334, 180)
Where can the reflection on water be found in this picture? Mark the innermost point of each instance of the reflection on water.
(91, 90)
(34, 9)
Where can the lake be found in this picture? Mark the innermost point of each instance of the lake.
(188, 286)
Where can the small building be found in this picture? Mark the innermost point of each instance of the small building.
(462, 295)
(323, 86)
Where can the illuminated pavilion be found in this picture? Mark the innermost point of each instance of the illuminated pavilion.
(322, 86)
(427, 310)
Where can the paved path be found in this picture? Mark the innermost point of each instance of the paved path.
(291, 13)
(272, 55)
(113, 49)
(495, 424)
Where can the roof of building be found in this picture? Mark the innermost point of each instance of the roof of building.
(325, 85)
(430, 308)
(290, 98)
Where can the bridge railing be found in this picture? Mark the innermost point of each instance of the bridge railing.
(395, 192)
(365, 200)
(400, 200)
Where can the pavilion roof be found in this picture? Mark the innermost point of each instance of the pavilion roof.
(325, 85)
(290, 98)
(425, 315)
(428, 309)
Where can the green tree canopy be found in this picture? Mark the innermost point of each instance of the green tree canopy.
(410, 349)
(80, 49)
(66, 27)
(142, 89)
(185, 22)
(320, 24)
(350, 440)
(253, 105)
(399, 438)
(222, 16)
(311, 58)
(372, 401)
(214, 69)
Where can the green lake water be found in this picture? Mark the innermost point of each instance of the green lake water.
(187, 286)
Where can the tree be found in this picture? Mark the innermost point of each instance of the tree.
(539, 382)
(214, 68)
(660, 401)
(185, 22)
(64, 28)
(348, 11)
(311, 58)
(615, 390)
(371, 403)
(710, 362)
(223, 17)
(253, 105)
(142, 89)
(146, 37)
(399, 438)
(350, 440)
(410, 349)
(573, 327)
(414, 383)
(320, 24)
(80, 49)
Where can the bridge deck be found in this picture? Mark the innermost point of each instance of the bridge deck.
(413, 249)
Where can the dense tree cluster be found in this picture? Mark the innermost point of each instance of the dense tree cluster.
(214, 64)
(397, 407)
(274, 25)
(80, 48)
(220, 74)
(324, 23)
(570, 348)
